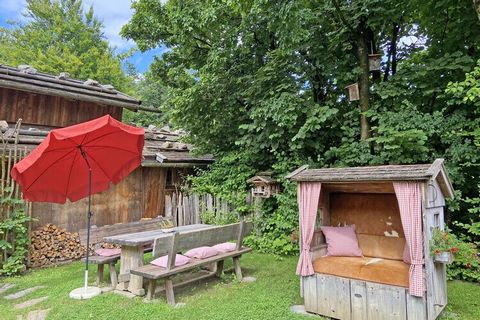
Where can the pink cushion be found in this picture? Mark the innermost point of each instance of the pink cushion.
(225, 247)
(163, 260)
(107, 252)
(342, 241)
(201, 252)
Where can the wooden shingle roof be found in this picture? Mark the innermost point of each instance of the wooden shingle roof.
(416, 172)
(30, 80)
(159, 142)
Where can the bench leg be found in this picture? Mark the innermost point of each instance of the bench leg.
(151, 289)
(238, 270)
(169, 291)
(219, 268)
(113, 274)
(99, 274)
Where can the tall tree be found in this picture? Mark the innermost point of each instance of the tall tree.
(59, 36)
(265, 79)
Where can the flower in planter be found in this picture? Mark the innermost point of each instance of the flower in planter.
(443, 241)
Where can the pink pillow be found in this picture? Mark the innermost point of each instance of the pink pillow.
(163, 260)
(342, 241)
(201, 253)
(225, 247)
(107, 252)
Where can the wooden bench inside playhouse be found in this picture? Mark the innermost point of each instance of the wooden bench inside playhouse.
(379, 232)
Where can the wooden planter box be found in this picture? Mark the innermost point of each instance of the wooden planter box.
(443, 257)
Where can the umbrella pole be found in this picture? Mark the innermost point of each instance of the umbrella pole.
(86, 292)
(89, 214)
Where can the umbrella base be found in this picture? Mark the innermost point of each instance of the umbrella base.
(82, 294)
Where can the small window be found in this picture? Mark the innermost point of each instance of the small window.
(169, 178)
(436, 220)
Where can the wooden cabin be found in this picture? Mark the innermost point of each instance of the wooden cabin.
(394, 209)
(45, 101)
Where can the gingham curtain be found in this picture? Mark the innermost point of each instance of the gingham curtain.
(308, 194)
(410, 203)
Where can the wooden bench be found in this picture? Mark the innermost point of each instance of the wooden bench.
(183, 241)
(96, 238)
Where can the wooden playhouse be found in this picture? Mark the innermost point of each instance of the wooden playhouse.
(394, 209)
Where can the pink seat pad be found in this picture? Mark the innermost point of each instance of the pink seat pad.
(107, 252)
(225, 247)
(180, 260)
(201, 253)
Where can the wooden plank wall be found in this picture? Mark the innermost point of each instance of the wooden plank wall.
(44, 110)
(140, 195)
(154, 192)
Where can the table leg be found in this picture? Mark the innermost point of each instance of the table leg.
(131, 257)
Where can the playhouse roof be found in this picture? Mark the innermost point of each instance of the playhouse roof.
(416, 172)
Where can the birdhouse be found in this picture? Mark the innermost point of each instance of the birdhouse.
(353, 94)
(374, 60)
(264, 185)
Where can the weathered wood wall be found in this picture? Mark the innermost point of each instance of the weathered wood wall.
(37, 109)
(140, 195)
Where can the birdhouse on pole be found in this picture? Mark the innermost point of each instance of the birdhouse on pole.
(264, 185)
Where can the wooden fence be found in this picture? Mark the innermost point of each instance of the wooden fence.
(188, 208)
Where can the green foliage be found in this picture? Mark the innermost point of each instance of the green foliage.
(210, 217)
(265, 80)
(150, 91)
(14, 238)
(59, 37)
(227, 179)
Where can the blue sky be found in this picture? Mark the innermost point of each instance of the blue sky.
(113, 13)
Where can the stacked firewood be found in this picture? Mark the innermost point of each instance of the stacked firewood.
(53, 245)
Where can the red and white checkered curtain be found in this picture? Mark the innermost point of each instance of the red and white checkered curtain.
(308, 194)
(409, 199)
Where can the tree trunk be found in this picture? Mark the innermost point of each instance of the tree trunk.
(476, 4)
(362, 56)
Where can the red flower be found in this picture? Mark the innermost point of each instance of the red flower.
(454, 250)
(437, 251)
(294, 236)
(468, 265)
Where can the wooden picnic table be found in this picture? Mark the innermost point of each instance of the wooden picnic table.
(132, 251)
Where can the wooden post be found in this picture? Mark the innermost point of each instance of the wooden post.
(169, 291)
(238, 270)
(151, 289)
(131, 257)
(99, 274)
(113, 274)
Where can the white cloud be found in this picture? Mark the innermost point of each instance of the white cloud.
(114, 14)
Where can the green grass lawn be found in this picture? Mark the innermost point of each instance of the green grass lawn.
(276, 289)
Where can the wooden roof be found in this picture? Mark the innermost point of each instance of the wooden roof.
(262, 178)
(30, 80)
(161, 141)
(416, 172)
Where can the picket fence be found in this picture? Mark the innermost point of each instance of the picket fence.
(188, 208)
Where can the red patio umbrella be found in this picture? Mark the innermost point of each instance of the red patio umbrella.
(78, 161)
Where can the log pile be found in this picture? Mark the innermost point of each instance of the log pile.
(53, 245)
